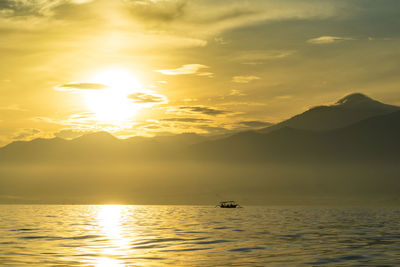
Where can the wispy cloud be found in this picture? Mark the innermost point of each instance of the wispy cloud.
(190, 120)
(185, 69)
(193, 110)
(245, 79)
(80, 86)
(13, 107)
(243, 103)
(144, 98)
(70, 133)
(328, 39)
(218, 16)
(204, 110)
(206, 74)
(24, 134)
(255, 57)
(236, 92)
(255, 124)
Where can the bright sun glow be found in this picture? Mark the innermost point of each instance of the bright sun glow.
(112, 105)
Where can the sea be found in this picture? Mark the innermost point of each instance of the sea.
(130, 235)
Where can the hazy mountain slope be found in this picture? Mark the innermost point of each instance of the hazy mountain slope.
(348, 110)
(36, 149)
(88, 147)
(374, 138)
(98, 146)
(355, 164)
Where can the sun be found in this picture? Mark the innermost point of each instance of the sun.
(112, 105)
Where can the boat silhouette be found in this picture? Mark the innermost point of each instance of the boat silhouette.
(228, 205)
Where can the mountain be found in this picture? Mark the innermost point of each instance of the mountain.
(375, 138)
(356, 163)
(348, 110)
(98, 146)
(183, 139)
(355, 127)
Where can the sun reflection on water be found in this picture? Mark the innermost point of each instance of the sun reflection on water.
(107, 262)
(110, 218)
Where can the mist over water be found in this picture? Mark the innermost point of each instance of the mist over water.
(199, 183)
(108, 235)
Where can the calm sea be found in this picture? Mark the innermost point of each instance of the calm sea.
(41, 235)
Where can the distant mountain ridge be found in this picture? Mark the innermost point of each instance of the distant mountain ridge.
(356, 126)
(350, 109)
(375, 138)
(355, 164)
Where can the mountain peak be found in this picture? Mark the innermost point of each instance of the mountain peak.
(97, 136)
(355, 98)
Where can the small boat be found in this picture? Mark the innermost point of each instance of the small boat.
(228, 205)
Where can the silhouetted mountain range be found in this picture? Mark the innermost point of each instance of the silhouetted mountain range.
(348, 110)
(375, 138)
(345, 153)
(355, 128)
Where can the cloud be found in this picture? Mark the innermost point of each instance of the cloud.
(70, 133)
(147, 98)
(255, 57)
(204, 110)
(190, 120)
(236, 92)
(80, 86)
(209, 18)
(255, 124)
(24, 134)
(213, 129)
(26, 8)
(284, 97)
(206, 74)
(190, 100)
(327, 39)
(243, 103)
(185, 69)
(157, 11)
(221, 41)
(86, 121)
(13, 107)
(244, 79)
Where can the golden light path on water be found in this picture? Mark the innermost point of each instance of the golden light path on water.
(110, 218)
(114, 236)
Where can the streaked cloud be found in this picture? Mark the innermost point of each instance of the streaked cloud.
(191, 120)
(245, 79)
(144, 98)
(195, 110)
(70, 133)
(185, 69)
(236, 92)
(206, 74)
(284, 97)
(254, 57)
(255, 124)
(328, 39)
(13, 107)
(24, 134)
(80, 86)
(243, 103)
(156, 11)
(204, 110)
(72, 39)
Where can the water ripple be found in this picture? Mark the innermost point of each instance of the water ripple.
(197, 236)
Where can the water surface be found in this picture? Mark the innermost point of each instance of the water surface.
(64, 235)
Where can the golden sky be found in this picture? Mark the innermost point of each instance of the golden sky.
(145, 67)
